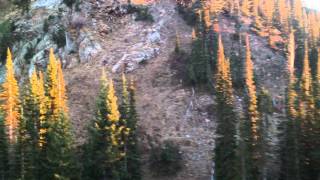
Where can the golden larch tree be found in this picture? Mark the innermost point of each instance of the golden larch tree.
(306, 101)
(292, 95)
(52, 82)
(10, 100)
(216, 6)
(297, 11)
(245, 7)
(268, 10)
(43, 109)
(113, 115)
(61, 96)
(251, 92)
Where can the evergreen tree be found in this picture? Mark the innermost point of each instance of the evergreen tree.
(198, 65)
(129, 120)
(105, 142)
(27, 146)
(307, 121)
(289, 149)
(250, 127)
(266, 149)
(11, 108)
(225, 149)
(316, 134)
(10, 100)
(4, 152)
(59, 161)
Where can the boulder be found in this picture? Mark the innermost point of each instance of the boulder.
(154, 37)
(88, 49)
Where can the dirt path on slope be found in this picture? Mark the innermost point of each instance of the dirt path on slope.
(167, 110)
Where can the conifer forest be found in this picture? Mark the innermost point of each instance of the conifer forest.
(159, 90)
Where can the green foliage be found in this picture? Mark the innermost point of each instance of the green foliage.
(4, 154)
(27, 147)
(142, 13)
(24, 5)
(30, 53)
(130, 165)
(46, 25)
(7, 37)
(187, 14)
(59, 37)
(198, 65)
(238, 80)
(166, 160)
(101, 156)
(70, 3)
(60, 160)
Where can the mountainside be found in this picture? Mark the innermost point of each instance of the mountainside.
(105, 34)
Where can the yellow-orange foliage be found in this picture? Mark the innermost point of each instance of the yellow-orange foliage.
(284, 13)
(292, 95)
(223, 75)
(245, 7)
(56, 86)
(216, 6)
(268, 10)
(61, 97)
(43, 108)
(255, 8)
(52, 71)
(251, 91)
(206, 18)
(313, 27)
(298, 11)
(38, 95)
(291, 52)
(113, 114)
(10, 100)
(306, 104)
(306, 79)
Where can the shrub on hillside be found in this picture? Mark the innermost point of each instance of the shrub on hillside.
(142, 13)
(7, 37)
(59, 37)
(166, 160)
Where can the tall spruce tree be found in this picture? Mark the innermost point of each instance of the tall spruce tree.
(226, 162)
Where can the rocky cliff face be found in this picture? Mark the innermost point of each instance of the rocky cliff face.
(102, 34)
